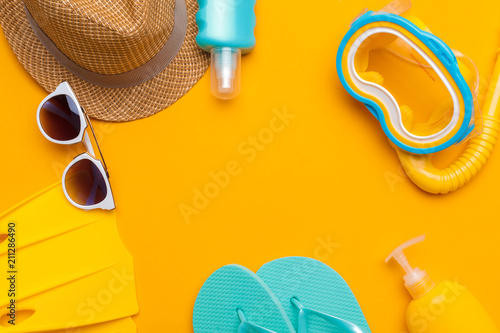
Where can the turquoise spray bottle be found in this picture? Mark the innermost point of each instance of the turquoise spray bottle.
(226, 31)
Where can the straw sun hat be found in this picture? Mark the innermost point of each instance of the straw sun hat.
(125, 59)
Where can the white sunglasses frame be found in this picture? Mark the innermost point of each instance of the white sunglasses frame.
(64, 89)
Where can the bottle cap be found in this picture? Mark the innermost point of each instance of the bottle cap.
(225, 72)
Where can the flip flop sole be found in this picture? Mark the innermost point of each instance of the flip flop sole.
(235, 287)
(317, 287)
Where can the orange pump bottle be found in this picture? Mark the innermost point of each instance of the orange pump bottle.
(446, 307)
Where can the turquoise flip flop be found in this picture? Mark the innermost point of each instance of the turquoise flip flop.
(235, 300)
(314, 296)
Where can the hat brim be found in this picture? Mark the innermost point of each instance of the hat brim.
(110, 104)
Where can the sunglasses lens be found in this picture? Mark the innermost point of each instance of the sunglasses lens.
(85, 183)
(60, 118)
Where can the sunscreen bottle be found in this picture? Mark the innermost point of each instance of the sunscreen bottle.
(226, 31)
(446, 307)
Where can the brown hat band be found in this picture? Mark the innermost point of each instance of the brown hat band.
(134, 77)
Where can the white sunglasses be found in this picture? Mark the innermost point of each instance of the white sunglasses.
(62, 120)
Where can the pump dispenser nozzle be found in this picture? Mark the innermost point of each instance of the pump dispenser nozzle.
(417, 281)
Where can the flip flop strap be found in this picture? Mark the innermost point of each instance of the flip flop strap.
(248, 327)
(336, 321)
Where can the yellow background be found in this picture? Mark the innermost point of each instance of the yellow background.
(329, 175)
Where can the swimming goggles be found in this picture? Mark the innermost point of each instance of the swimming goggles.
(422, 92)
(62, 120)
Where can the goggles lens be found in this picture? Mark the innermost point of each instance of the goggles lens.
(425, 102)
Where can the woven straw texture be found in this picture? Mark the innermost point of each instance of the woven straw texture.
(107, 37)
